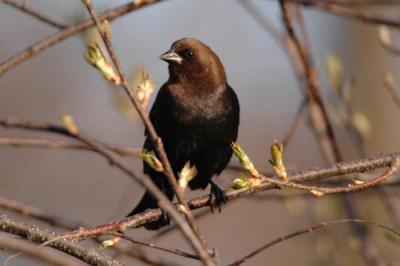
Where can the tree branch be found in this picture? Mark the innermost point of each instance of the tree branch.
(311, 229)
(34, 14)
(68, 32)
(117, 161)
(344, 11)
(62, 144)
(37, 252)
(38, 235)
(314, 174)
(318, 113)
(35, 213)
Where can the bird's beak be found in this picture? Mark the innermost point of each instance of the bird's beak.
(171, 57)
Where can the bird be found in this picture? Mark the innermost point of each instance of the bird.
(196, 114)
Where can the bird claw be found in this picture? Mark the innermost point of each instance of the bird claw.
(220, 197)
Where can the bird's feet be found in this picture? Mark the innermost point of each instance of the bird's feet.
(162, 221)
(219, 195)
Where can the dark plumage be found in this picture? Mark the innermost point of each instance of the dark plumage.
(196, 113)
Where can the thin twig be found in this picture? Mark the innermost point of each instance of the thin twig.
(40, 215)
(360, 2)
(35, 234)
(262, 20)
(35, 14)
(390, 85)
(68, 32)
(295, 123)
(391, 48)
(35, 213)
(319, 117)
(394, 168)
(310, 229)
(203, 249)
(169, 229)
(155, 246)
(34, 251)
(344, 11)
(61, 144)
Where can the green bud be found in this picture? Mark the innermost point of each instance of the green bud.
(244, 160)
(277, 160)
(151, 159)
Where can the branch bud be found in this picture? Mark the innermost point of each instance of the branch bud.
(277, 160)
(244, 160)
(110, 242)
(151, 159)
(69, 123)
(95, 57)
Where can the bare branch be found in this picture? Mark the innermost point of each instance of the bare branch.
(34, 14)
(344, 11)
(155, 246)
(319, 117)
(311, 229)
(40, 215)
(38, 235)
(295, 123)
(390, 85)
(68, 32)
(116, 161)
(62, 144)
(358, 166)
(35, 213)
(37, 252)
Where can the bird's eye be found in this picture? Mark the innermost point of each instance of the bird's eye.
(189, 54)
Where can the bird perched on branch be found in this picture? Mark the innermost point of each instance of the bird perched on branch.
(196, 114)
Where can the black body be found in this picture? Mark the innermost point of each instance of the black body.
(196, 114)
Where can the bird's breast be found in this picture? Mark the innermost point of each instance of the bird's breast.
(200, 105)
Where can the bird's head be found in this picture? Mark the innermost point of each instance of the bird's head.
(192, 60)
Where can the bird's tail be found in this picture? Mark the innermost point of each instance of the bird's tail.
(149, 202)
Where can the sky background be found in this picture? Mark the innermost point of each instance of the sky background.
(82, 186)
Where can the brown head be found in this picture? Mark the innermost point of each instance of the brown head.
(192, 61)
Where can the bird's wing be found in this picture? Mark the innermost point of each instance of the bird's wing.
(226, 132)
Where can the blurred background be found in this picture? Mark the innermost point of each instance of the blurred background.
(82, 186)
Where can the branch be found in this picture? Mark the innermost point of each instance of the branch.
(26, 9)
(68, 32)
(40, 215)
(360, 2)
(38, 235)
(34, 251)
(62, 144)
(117, 161)
(35, 213)
(294, 125)
(343, 168)
(319, 117)
(201, 247)
(344, 11)
(390, 85)
(310, 229)
(155, 246)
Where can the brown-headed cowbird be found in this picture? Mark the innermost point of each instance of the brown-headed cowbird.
(196, 114)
